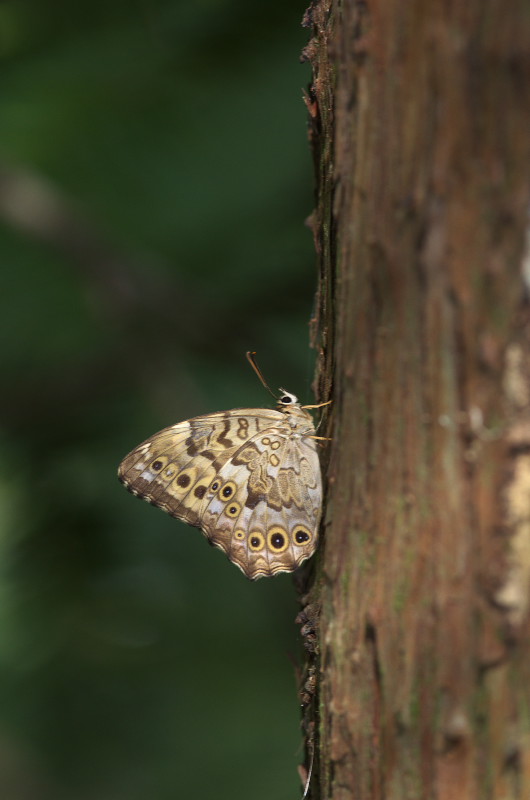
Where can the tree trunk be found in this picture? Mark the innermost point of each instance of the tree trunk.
(418, 685)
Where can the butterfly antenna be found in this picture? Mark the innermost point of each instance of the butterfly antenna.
(252, 361)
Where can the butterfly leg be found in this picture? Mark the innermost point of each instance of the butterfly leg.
(319, 405)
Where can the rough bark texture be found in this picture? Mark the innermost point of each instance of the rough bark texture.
(421, 136)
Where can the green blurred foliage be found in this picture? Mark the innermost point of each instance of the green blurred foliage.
(154, 179)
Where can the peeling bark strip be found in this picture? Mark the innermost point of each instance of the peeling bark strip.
(420, 128)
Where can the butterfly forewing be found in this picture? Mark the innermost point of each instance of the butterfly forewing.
(249, 478)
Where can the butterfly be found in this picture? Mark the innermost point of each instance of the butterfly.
(249, 478)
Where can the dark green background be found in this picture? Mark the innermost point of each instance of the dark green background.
(155, 180)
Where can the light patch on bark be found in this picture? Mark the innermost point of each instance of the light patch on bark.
(515, 594)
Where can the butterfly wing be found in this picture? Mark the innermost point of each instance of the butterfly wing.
(245, 477)
(173, 468)
(266, 510)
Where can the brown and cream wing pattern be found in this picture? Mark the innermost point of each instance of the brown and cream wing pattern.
(249, 478)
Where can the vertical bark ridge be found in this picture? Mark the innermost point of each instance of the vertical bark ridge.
(420, 121)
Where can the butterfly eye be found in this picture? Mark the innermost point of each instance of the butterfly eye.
(215, 485)
(287, 399)
(240, 535)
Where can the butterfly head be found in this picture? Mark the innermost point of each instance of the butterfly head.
(287, 399)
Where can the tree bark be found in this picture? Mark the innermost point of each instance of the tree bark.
(418, 683)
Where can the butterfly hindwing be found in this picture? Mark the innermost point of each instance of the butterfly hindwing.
(266, 508)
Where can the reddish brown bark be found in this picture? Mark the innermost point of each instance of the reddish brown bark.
(421, 135)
